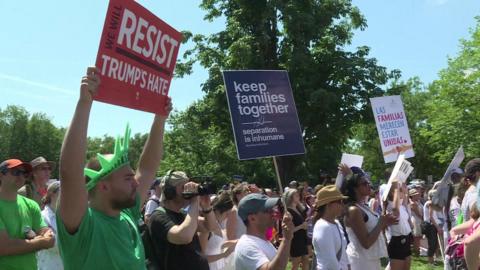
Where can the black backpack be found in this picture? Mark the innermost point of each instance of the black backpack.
(151, 258)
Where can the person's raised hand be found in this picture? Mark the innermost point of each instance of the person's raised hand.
(89, 84)
(168, 109)
(287, 226)
(205, 202)
(344, 169)
(304, 225)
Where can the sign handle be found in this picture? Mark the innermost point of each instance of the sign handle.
(277, 172)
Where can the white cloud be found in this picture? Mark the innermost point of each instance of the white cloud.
(37, 84)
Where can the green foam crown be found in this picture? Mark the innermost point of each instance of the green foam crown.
(109, 163)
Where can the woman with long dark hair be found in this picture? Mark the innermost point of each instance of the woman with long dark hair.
(364, 227)
(235, 226)
(298, 248)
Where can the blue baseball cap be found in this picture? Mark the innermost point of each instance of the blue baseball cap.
(254, 203)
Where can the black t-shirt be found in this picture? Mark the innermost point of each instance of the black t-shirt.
(170, 256)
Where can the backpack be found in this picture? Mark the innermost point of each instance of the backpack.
(454, 253)
(145, 205)
(141, 223)
(151, 260)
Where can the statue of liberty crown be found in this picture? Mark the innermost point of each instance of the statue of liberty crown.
(109, 163)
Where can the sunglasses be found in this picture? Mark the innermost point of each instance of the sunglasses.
(20, 172)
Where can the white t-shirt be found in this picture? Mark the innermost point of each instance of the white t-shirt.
(403, 226)
(438, 216)
(50, 258)
(454, 210)
(252, 252)
(469, 199)
(151, 205)
(327, 240)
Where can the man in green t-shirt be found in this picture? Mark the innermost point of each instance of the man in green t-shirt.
(97, 222)
(22, 229)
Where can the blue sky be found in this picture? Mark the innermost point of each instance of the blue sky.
(47, 45)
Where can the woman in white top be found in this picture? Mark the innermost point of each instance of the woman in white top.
(49, 259)
(363, 226)
(399, 250)
(417, 218)
(328, 239)
(235, 226)
(214, 244)
(434, 219)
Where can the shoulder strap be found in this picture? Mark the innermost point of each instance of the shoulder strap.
(161, 210)
(339, 252)
(155, 200)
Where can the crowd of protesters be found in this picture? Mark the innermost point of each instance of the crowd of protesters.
(106, 215)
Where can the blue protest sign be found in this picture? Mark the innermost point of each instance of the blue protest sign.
(264, 117)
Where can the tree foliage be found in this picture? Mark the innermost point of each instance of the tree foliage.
(331, 84)
(454, 107)
(441, 117)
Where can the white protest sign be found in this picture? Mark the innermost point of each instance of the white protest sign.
(442, 186)
(403, 168)
(351, 161)
(392, 127)
(455, 163)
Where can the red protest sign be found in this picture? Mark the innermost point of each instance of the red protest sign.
(136, 57)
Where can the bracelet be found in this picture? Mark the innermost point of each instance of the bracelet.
(207, 211)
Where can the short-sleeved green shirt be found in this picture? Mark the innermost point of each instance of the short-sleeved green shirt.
(15, 216)
(103, 242)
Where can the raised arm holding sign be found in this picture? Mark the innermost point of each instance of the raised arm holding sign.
(102, 201)
(400, 173)
(349, 160)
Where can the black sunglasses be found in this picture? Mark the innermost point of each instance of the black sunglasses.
(20, 172)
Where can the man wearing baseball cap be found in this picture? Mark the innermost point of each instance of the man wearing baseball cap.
(36, 189)
(253, 250)
(22, 229)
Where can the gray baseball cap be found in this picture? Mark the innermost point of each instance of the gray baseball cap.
(254, 203)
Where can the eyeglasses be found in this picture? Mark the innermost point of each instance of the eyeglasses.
(20, 172)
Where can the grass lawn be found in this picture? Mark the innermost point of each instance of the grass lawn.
(421, 263)
(418, 263)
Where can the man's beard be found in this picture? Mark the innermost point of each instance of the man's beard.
(120, 204)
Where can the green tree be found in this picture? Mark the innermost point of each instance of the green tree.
(365, 139)
(26, 137)
(331, 85)
(453, 108)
